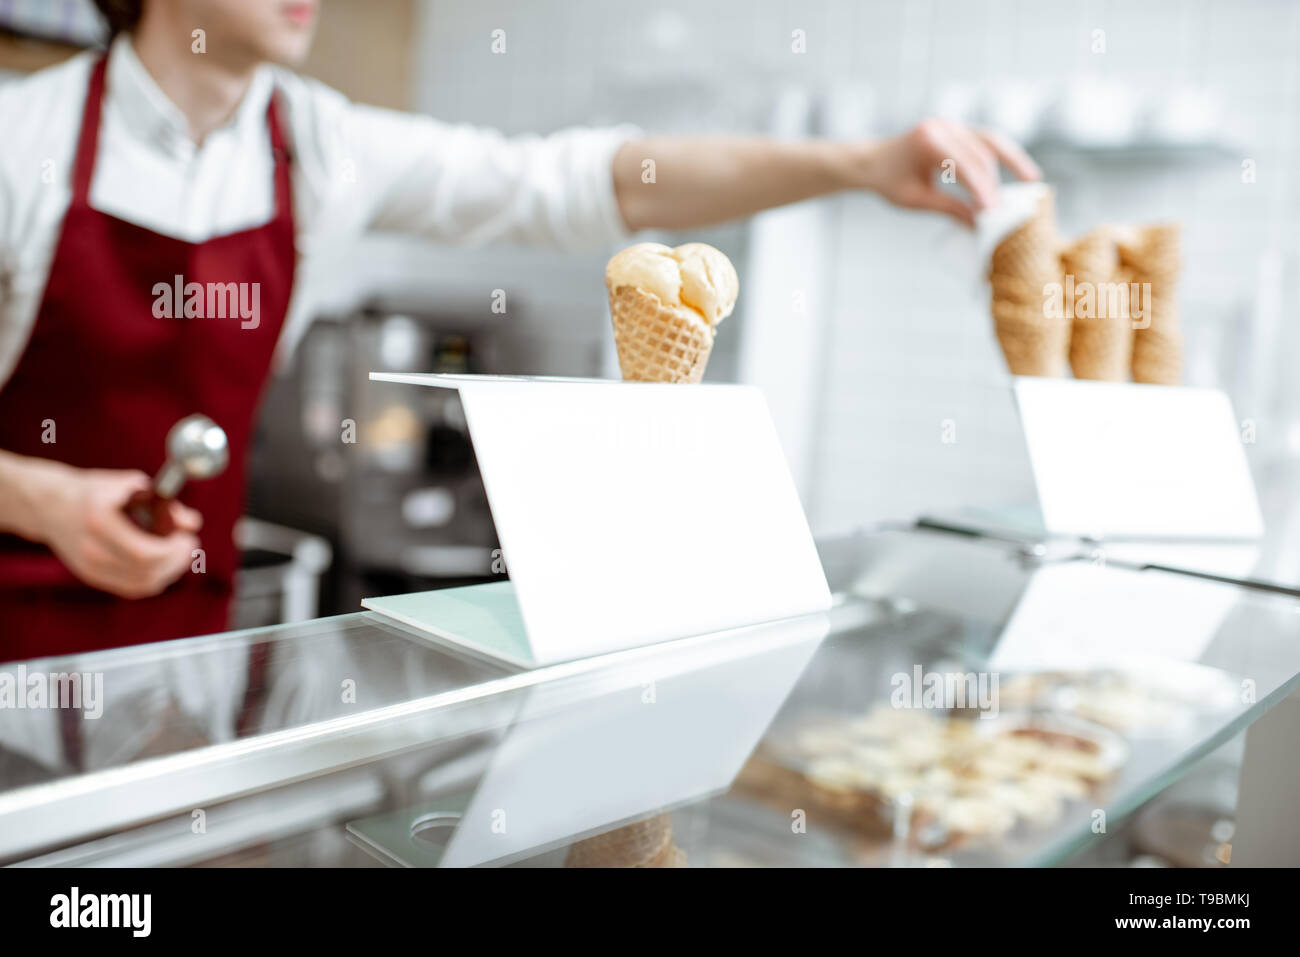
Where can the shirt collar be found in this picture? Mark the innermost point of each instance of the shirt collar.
(149, 112)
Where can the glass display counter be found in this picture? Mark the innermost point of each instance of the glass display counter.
(964, 702)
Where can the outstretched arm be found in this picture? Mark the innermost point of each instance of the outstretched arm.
(682, 182)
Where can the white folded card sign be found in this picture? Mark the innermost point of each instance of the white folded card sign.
(628, 513)
(1124, 461)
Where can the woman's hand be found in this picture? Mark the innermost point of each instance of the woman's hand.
(907, 170)
(78, 514)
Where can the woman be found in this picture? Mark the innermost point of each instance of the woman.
(189, 154)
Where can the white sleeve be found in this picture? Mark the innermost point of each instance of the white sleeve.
(467, 185)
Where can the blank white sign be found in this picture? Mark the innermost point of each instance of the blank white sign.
(1120, 460)
(630, 513)
(1076, 616)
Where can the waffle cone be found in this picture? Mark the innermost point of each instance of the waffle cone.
(1022, 266)
(1094, 255)
(1153, 256)
(1153, 252)
(1030, 252)
(1158, 356)
(656, 342)
(647, 843)
(1013, 289)
(1101, 339)
(1032, 343)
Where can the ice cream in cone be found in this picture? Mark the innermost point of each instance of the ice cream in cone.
(666, 304)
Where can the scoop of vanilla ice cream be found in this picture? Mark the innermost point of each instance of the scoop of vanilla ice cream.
(709, 281)
(650, 267)
(694, 275)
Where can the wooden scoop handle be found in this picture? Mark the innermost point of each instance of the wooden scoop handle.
(150, 511)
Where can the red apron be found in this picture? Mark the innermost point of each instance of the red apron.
(113, 378)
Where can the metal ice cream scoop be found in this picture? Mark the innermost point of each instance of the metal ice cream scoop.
(196, 449)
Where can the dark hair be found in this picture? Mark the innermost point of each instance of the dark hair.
(122, 15)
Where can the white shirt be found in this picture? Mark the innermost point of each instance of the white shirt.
(356, 168)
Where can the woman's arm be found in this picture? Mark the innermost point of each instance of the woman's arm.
(681, 182)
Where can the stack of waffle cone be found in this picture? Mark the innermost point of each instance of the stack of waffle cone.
(647, 843)
(1152, 255)
(1100, 343)
(1023, 266)
(658, 342)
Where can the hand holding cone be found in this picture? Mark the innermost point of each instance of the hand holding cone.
(666, 304)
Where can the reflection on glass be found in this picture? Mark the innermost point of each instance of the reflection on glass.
(614, 748)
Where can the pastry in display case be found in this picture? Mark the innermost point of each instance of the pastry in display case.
(936, 780)
(1147, 702)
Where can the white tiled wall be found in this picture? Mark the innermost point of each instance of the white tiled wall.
(907, 341)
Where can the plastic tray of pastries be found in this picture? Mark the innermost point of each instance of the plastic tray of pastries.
(1161, 699)
(936, 779)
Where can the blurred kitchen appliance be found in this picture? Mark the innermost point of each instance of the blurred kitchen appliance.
(279, 574)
